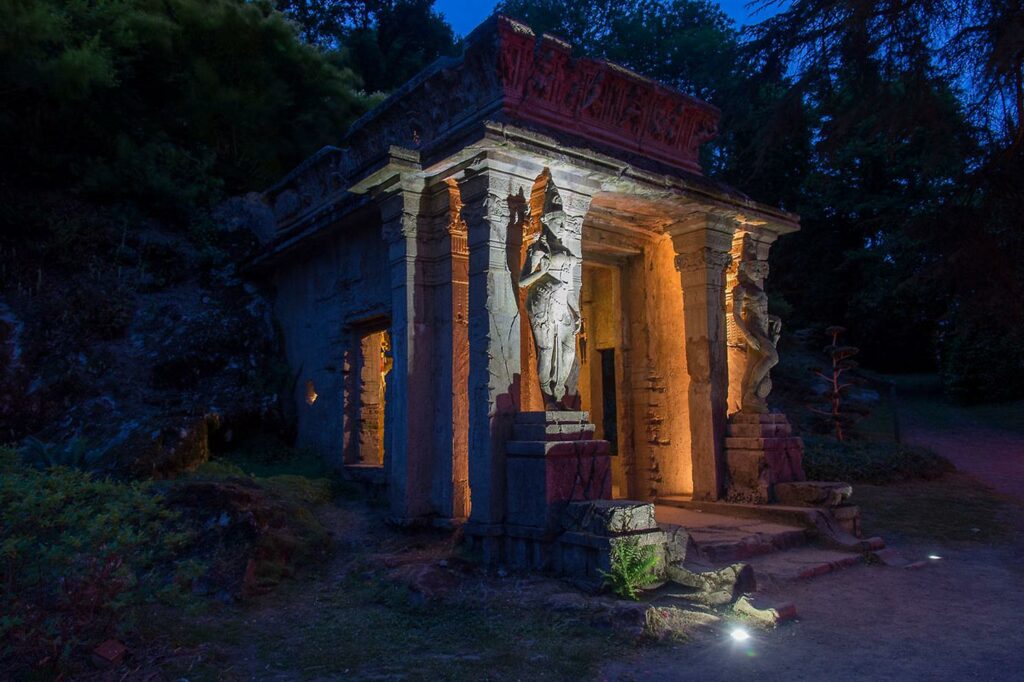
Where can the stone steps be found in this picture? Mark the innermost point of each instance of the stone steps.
(800, 564)
(778, 552)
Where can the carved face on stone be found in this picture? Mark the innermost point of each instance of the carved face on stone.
(553, 221)
(754, 270)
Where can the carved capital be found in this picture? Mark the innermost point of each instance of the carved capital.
(399, 229)
(705, 258)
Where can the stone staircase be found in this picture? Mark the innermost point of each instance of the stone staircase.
(778, 551)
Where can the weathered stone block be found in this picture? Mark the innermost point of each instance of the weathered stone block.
(542, 476)
(608, 517)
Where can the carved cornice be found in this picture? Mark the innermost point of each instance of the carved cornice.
(507, 74)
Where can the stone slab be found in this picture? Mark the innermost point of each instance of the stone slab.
(609, 517)
(801, 564)
(553, 432)
(813, 493)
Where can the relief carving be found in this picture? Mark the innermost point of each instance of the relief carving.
(547, 275)
(758, 328)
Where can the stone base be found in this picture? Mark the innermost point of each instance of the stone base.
(552, 461)
(588, 532)
(760, 451)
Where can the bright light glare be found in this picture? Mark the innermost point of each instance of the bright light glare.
(739, 635)
(934, 557)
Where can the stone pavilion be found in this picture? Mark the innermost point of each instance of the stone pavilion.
(511, 286)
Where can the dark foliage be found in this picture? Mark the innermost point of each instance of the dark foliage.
(164, 102)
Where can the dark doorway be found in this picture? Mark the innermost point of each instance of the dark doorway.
(609, 407)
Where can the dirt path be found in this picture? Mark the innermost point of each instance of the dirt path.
(956, 618)
(992, 454)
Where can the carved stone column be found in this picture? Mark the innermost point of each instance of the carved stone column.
(702, 245)
(407, 412)
(494, 376)
(451, 413)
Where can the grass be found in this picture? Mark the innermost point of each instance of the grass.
(826, 459)
(953, 509)
(368, 628)
(926, 392)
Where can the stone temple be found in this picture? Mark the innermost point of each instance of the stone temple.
(511, 287)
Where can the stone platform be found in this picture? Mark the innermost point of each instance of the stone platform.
(760, 452)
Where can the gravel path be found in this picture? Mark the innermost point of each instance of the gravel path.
(992, 455)
(954, 619)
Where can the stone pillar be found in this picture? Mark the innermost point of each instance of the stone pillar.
(702, 245)
(451, 413)
(407, 413)
(494, 376)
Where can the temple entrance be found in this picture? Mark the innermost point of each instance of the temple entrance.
(600, 353)
(365, 391)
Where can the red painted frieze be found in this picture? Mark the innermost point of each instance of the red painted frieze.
(543, 83)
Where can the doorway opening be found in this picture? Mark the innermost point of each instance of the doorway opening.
(365, 399)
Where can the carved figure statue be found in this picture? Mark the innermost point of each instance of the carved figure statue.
(760, 330)
(547, 275)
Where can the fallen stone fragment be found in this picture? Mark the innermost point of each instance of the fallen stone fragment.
(670, 622)
(769, 617)
(813, 493)
(715, 587)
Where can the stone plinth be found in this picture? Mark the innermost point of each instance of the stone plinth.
(760, 451)
(551, 461)
(592, 529)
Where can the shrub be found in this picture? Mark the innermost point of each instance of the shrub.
(826, 459)
(633, 567)
(76, 554)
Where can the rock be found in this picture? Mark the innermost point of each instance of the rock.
(677, 543)
(671, 622)
(813, 493)
(769, 617)
(715, 587)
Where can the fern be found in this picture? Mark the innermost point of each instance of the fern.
(632, 568)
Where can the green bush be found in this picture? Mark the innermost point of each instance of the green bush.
(77, 553)
(633, 567)
(164, 102)
(826, 459)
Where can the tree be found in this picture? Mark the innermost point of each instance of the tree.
(168, 102)
(385, 42)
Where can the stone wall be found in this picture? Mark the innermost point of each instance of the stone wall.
(321, 292)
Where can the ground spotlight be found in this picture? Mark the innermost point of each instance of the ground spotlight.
(739, 635)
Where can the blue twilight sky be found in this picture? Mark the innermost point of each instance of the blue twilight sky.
(465, 15)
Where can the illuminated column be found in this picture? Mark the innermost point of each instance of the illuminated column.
(451, 413)
(702, 245)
